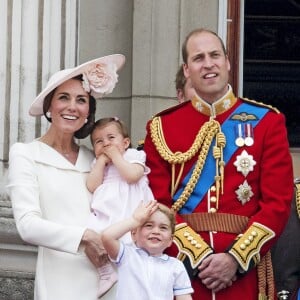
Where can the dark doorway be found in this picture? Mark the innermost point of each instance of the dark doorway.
(272, 58)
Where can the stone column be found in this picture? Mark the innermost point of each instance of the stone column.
(160, 27)
(37, 38)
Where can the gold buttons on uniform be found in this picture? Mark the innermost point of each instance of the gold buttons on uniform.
(212, 210)
(248, 240)
(213, 199)
(190, 238)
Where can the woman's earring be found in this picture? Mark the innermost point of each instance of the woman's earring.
(48, 114)
(86, 120)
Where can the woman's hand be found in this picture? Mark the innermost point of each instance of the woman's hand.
(93, 248)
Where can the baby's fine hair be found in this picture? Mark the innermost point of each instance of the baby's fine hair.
(169, 213)
(114, 120)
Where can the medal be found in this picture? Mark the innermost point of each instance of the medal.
(244, 192)
(239, 141)
(249, 141)
(244, 163)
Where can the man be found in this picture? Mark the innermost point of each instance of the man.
(223, 164)
(184, 89)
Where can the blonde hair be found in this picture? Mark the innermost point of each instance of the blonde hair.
(170, 215)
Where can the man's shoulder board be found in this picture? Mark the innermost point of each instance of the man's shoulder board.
(171, 109)
(261, 104)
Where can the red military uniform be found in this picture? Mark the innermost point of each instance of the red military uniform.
(256, 185)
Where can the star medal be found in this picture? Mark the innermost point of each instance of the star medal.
(244, 192)
(244, 163)
(249, 141)
(239, 141)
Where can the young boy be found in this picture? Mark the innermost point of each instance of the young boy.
(144, 272)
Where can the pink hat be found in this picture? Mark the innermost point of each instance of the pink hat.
(99, 79)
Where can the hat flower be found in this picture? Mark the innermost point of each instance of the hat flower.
(100, 79)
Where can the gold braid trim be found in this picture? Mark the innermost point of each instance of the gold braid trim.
(261, 104)
(270, 276)
(190, 244)
(297, 184)
(210, 127)
(248, 246)
(202, 141)
(265, 275)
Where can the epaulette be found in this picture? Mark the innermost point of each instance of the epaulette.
(172, 108)
(261, 104)
(297, 198)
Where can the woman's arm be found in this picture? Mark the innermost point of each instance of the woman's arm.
(93, 248)
(26, 196)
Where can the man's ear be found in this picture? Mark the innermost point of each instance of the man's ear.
(186, 70)
(228, 63)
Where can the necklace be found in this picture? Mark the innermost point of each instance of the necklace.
(73, 152)
(70, 155)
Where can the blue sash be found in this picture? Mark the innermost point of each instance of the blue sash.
(207, 176)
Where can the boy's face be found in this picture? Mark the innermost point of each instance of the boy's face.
(155, 235)
(106, 136)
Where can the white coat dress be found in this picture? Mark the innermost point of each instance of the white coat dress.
(51, 205)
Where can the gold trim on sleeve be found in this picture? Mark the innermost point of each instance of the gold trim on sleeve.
(248, 246)
(191, 244)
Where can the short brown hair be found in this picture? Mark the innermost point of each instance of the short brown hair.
(195, 32)
(180, 79)
(169, 213)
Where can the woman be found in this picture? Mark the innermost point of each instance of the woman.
(47, 187)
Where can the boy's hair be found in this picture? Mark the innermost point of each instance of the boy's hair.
(180, 79)
(104, 121)
(169, 213)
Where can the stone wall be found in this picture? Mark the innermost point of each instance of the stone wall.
(17, 260)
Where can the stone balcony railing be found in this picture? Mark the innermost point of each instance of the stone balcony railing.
(17, 259)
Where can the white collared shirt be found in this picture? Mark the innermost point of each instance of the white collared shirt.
(145, 277)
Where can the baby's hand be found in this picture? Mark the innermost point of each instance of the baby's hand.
(112, 151)
(104, 159)
(144, 211)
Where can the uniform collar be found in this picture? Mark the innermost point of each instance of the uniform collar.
(216, 108)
